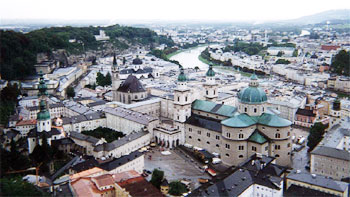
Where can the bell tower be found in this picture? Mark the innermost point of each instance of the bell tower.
(210, 86)
(115, 78)
(182, 103)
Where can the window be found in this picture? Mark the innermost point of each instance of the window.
(227, 155)
(135, 96)
(277, 155)
(254, 110)
(217, 137)
(178, 117)
(228, 135)
(253, 148)
(214, 92)
(240, 147)
(288, 145)
(227, 146)
(190, 137)
(190, 129)
(288, 134)
(277, 147)
(199, 140)
(245, 109)
(186, 98)
(199, 132)
(207, 92)
(178, 98)
(208, 134)
(208, 142)
(240, 156)
(240, 136)
(217, 145)
(278, 135)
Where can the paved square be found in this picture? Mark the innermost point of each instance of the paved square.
(175, 166)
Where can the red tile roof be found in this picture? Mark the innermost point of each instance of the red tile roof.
(140, 187)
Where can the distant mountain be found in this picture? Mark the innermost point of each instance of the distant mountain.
(322, 17)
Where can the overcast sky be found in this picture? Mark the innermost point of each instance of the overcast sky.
(119, 10)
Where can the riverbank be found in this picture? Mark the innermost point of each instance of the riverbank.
(183, 50)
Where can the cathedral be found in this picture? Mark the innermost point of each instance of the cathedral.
(234, 132)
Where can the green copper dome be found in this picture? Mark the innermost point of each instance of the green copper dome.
(210, 72)
(252, 94)
(182, 76)
(44, 114)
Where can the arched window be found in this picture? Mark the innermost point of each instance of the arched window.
(245, 109)
(277, 155)
(240, 135)
(227, 155)
(254, 110)
(277, 135)
(207, 92)
(240, 156)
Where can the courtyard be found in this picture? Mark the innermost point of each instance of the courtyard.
(175, 166)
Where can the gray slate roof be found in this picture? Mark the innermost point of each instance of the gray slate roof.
(318, 180)
(331, 152)
(118, 143)
(130, 115)
(83, 137)
(111, 165)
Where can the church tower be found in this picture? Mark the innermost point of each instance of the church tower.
(335, 113)
(210, 86)
(43, 117)
(115, 78)
(182, 103)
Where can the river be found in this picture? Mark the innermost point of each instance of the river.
(189, 58)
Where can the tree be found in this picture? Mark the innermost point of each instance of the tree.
(108, 79)
(177, 188)
(282, 61)
(341, 63)
(280, 53)
(295, 53)
(100, 79)
(17, 187)
(316, 135)
(70, 92)
(157, 177)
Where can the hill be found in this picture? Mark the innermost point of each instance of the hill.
(323, 17)
(18, 50)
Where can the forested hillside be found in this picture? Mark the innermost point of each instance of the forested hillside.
(18, 50)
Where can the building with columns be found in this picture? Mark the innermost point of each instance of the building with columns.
(239, 132)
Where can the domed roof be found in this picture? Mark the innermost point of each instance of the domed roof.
(44, 114)
(137, 61)
(182, 76)
(252, 94)
(210, 72)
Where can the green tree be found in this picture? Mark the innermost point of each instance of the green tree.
(315, 135)
(8, 100)
(17, 187)
(341, 63)
(100, 79)
(157, 177)
(280, 53)
(109, 134)
(177, 188)
(108, 79)
(70, 92)
(295, 53)
(282, 61)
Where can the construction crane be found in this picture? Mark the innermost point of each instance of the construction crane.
(29, 169)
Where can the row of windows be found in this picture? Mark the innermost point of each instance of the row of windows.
(228, 155)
